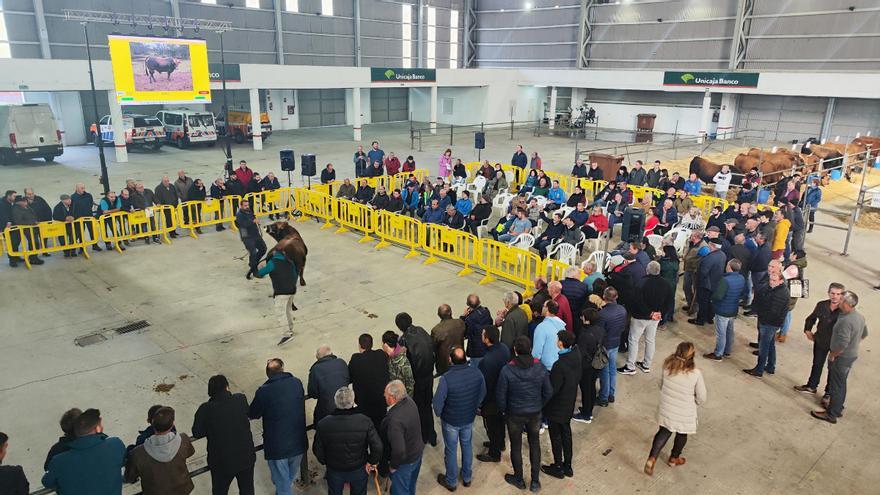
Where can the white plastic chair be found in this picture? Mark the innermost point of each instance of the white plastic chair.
(656, 241)
(599, 259)
(596, 242)
(501, 201)
(565, 210)
(565, 253)
(522, 241)
(483, 228)
(476, 187)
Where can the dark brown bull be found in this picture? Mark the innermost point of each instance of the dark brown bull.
(706, 170)
(291, 244)
(160, 64)
(873, 142)
(828, 157)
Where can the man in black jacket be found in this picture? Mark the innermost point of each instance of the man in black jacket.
(348, 444)
(771, 306)
(402, 433)
(166, 194)
(83, 206)
(63, 212)
(328, 175)
(326, 376)
(224, 421)
(281, 403)
(522, 391)
(565, 376)
(825, 314)
(496, 357)
(12, 478)
(38, 204)
(368, 370)
(476, 317)
(250, 234)
(420, 353)
(646, 311)
(588, 341)
(576, 292)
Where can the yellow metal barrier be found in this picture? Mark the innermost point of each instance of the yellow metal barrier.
(392, 228)
(314, 204)
(554, 269)
(517, 265)
(25, 241)
(196, 214)
(705, 203)
(457, 246)
(128, 226)
(351, 215)
(274, 202)
(327, 188)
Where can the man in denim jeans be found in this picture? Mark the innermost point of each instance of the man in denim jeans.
(725, 300)
(459, 394)
(771, 299)
(613, 318)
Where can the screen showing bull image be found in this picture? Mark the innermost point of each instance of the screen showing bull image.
(149, 70)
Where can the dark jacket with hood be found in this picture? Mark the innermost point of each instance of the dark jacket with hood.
(160, 464)
(281, 403)
(565, 376)
(326, 376)
(523, 387)
(93, 465)
(369, 375)
(478, 319)
(346, 440)
(224, 421)
(63, 445)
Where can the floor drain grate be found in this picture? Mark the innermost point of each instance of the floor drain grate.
(132, 327)
(95, 338)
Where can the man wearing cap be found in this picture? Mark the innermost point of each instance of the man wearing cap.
(63, 212)
(708, 276)
(22, 214)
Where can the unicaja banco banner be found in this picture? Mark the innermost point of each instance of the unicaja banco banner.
(398, 75)
(712, 79)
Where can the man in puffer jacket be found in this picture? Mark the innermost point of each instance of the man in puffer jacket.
(522, 392)
(771, 305)
(725, 300)
(476, 317)
(160, 462)
(654, 298)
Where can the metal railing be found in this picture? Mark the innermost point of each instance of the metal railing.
(416, 134)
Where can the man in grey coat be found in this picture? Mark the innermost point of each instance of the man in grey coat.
(512, 320)
(848, 333)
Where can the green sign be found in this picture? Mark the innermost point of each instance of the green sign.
(712, 79)
(398, 75)
(233, 72)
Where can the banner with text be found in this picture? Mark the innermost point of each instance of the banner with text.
(232, 71)
(712, 79)
(398, 75)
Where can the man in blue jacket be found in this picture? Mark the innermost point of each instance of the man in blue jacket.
(460, 391)
(434, 214)
(375, 155)
(93, 465)
(280, 402)
(725, 302)
(612, 317)
(410, 197)
(709, 273)
(519, 159)
(522, 391)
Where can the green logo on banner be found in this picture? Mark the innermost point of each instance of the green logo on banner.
(401, 75)
(686, 78)
(733, 79)
(389, 74)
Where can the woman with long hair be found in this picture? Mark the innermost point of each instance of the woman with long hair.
(530, 183)
(444, 164)
(681, 390)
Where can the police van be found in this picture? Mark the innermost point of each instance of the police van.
(28, 131)
(186, 127)
(140, 130)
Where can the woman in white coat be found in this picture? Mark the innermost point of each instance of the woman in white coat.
(681, 390)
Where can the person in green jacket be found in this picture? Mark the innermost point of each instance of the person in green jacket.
(669, 265)
(398, 365)
(283, 273)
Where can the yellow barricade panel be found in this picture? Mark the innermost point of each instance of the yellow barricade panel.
(312, 203)
(196, 214)
(554, 269)
(517, 265)
(457, 246)
(705, 203)
(25, 241)
(155, 221)
(274, 202)
(392, 228)
(355, 216)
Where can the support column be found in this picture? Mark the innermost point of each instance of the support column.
(118, 127)
(256, 127)
(826, 120)
(279, 35)
(706, 116)
(357, 32)
(175, 12)
(727, 116)
(42, 32)
(356, 111)
(551, 120)
(420, 39)
(433, 123)
(470, 24)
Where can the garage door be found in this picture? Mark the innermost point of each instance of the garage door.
(782, 118)
(321, 107)
(389, 104)
(852, 116)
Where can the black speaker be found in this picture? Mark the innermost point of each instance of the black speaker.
(288, 163)
(480, 140)
(307, 162)
(633, 225)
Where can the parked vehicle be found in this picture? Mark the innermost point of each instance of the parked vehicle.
(28, 131)
(140, 130)
(186, 127)
(240, 125)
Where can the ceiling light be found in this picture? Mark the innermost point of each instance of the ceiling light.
(528, 5)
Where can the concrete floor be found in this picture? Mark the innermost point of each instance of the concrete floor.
(755, 436)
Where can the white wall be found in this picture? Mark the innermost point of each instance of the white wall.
(280, 99)
(366, 107)
(420, 104)
(623, 116)
(468, 105)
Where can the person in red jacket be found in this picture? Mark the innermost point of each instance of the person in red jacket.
(392, 164)
(651, 221)
(555, 291)
(244, 174)
(597, 224)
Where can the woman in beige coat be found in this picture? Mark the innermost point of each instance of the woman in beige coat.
(681, 390)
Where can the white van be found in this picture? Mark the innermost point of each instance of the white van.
(140, 130)
(27, 131)
(185, 127)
